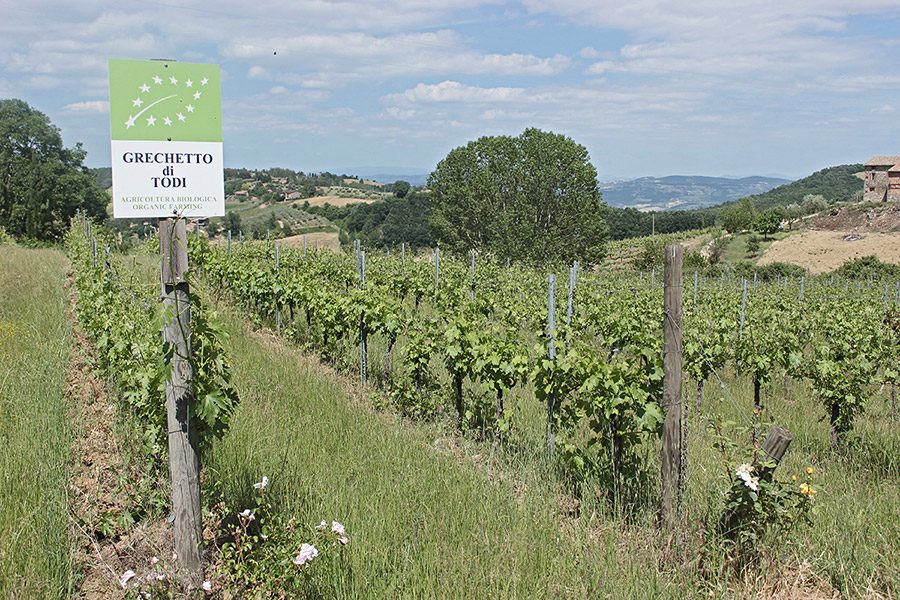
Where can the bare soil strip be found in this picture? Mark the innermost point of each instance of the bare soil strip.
(825, 251)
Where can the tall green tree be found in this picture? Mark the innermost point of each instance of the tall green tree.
(532, 198)
(739, 216)
(400, 188)
(42, 183)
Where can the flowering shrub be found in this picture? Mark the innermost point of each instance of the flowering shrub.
(758, 507)
(267, 551)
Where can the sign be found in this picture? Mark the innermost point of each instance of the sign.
(166, 125)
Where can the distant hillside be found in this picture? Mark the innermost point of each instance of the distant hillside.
(834, 183)
(387, 178)
(681, 192)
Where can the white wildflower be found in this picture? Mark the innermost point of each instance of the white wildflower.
(126, 577)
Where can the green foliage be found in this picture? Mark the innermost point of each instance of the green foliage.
(739, 216)
(126, 329)
(759, 509)
(769, 272)
(768, 222)
(400, 188)
(384, 224)
(42, 183)
(630, 222)
(717, 248)
(268, 551)
(867, 267)
(233, 222)
(752, 245)
(651, 254)
(833, 183)
(531, 198)
(813, 203)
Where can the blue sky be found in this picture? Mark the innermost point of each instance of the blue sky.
(650, 87)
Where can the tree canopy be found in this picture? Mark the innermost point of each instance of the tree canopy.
(42, 183)
(532, 198)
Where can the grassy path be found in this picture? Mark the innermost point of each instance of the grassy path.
(424, 520)
(35, 431)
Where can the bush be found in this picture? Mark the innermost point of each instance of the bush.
(868, 267)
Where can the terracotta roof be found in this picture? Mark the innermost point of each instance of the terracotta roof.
(882, 161)
(894, 169)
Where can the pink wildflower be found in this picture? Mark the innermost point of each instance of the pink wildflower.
(307, 553)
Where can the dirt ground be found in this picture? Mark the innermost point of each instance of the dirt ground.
(822, 251)
(333, 201)
(325, 239)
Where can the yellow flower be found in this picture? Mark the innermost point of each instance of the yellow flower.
(807, 490)
(809, 470)
(793, 478)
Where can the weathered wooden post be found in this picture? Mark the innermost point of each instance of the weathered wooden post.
(184, 458)
(671, 452)
(776, 444)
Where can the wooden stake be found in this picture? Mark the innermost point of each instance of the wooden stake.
(671, 455)
(184, 459)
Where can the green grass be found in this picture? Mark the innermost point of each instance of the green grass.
(736, 251)
(428, 516)
(854, 540)
(852, 545)
(35, 430)
(431, 515)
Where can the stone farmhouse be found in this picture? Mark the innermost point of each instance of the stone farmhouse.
(882, 179)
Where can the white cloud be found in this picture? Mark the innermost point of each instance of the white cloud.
(453, 91)
(257, 72)
(89, 107)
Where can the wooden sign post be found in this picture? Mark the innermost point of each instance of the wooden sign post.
(184, 458)
(671, 454)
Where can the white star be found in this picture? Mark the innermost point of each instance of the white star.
(157, 80)
(173, 80)
(130, 122)
(189, 83)
(167, 121)
(137, 102)
(151, 121)
(180, 117)
(204, 81)
(145, 88)
(196, 95)
(190, 108)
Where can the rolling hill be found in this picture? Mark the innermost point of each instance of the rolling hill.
(682, 192)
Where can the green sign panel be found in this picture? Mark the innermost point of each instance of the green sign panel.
(166, 126)
(165, 101)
